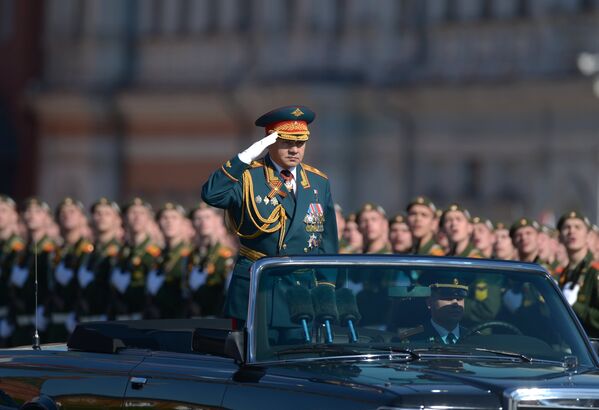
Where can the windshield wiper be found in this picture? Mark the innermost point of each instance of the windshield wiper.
(520, 356)
(320, 349)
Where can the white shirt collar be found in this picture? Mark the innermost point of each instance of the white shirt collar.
(444, 332)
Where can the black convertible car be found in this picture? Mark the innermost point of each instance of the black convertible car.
(350, 332)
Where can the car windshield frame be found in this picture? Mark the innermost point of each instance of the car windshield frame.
(413, 261)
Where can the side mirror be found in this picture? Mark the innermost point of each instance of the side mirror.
(235, 345)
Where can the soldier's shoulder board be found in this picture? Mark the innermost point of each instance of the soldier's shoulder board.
(17, 245)
(257, 164)
(313, 170)
(153, 250)
(595, 265)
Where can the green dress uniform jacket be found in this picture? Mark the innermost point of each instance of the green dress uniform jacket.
(93, 278)
(586, 275)
(268, 219)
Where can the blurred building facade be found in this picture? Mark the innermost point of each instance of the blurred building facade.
(462, 100)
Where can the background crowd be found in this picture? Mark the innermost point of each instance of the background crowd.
(110, 262)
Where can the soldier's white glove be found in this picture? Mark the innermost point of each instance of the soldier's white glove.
(570, 291)
(257, 148)
(512, 300)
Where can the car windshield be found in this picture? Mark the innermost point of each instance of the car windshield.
(311, 310)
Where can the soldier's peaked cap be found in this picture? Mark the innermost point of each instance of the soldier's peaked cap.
(290, 122)
(573, 215)
(522, 223)
(422, 200)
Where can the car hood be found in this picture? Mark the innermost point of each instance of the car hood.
(482, 383)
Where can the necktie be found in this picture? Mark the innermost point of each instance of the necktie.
(288, 178)
(450, 339)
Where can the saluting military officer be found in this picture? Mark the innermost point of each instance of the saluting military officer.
(136, 259)
(11, 247)
(40, 252)
(211, 262)
(423, 222)
(72, 221)
(277, 205)
(93, 275)
(579, 280)
(166, 284)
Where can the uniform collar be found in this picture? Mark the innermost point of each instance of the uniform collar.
(444, 332)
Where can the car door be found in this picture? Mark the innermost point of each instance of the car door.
(179, 380)
(73, 380)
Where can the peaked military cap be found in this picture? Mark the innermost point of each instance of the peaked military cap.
(171, 206)
(107, 202)
(453, 208)
(67, 201)
(573, 215)
(5, 199)
(449, 287)
(398, 219)
(351, 218)
(499, 226)
(201, 205)
(34, 201)
(137, 201)
(595, 228)
(524, 222)
(290, 122)
(369, 206)
(484, 221)
(422, 200)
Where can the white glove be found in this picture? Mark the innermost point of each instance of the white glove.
(197, 278)
(63, 274)
(18, 276)
(512, 300)
(570, 291)
(154, 282)
(120, 279)
(257, 148)
(42, 320)
(85, 276)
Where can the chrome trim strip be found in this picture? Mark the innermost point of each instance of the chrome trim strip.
(516, 396)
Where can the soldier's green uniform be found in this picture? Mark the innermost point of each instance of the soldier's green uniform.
(93, 277)
(21, 289)
(269, 219)
(10, 251)
(128, 279)
(166, 284)
(65, 292)
(209, 269)
(580, 283)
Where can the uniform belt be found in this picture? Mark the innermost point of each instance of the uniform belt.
(250, 253)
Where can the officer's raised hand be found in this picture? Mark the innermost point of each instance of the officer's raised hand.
(257, 148)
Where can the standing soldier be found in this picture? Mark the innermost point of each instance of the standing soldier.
(525, 235)
(11, 247)
(400, 236)
(211, 262)
(352, 237)
(482, 236)
(423, 222)
(39, 253)
(373, 224)
(455, 221)
(166, 284)
(503, 247)
(137, 258)
(578, 280)
(94, 272)
(277, 205)
(75, 247)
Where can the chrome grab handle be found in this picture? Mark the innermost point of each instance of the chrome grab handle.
(137, 382)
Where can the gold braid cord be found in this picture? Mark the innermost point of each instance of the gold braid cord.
(277, 216)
